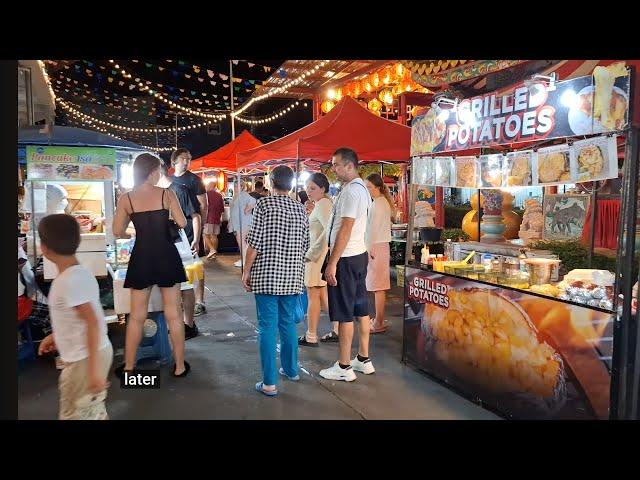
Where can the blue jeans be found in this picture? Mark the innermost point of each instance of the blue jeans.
(276, 313)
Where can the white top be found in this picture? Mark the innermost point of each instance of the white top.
(353, 202)
(239, 218)
(318, 228)
(75, 286)
(378, 223)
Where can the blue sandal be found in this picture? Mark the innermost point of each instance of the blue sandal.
(268, 393)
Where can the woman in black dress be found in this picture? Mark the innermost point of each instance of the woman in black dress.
(154, 259)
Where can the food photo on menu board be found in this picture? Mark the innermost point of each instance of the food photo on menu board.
(443, 167)
(423, 172)
(491, 170)
(596, 158)
(466, 172)
(554, 165)
(518, 168)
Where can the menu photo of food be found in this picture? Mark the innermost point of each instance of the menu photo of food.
(67, 171)
(518, 168)
(97, 172)
(427, 132)
(554, 165)
(423, 172)
(491, 170)
(596, 158)
(44, 171)
(602, 106)
(443, 171)
(466, 172)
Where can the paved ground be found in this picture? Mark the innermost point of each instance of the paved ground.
(225, 366)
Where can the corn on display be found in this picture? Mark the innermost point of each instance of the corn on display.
(487, 339)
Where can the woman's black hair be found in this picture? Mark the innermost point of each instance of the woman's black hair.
(143, 166)
(320, 179)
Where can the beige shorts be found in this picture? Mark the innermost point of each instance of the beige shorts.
(73, 382)
(211, 229)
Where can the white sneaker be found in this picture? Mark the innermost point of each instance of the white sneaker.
(336, 372)
(364, 367)
(238, 263)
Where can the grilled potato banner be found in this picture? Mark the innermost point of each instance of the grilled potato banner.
(528, 356)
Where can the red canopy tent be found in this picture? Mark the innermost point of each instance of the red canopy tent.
(224, 158)
(348, 124)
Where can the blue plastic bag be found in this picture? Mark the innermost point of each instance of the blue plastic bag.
(302, 303)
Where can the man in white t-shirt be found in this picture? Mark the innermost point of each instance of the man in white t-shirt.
(346, 268)
(77, 319)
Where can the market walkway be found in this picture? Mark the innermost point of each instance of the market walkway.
(225, 367)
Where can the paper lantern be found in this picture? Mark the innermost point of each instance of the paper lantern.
(331, 94)
(406, 86)
(397, 90)
(356, 89)
(366, 85)
(338, 94)
(374, 78)
(326, 106)
(386, 96)
(399, 70)
(374, 105)
(222, 182)
(346, 92)
(386, 76)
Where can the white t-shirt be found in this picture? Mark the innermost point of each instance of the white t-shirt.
(75, 286)
(378, 222)
(236, 212)
(353, 202)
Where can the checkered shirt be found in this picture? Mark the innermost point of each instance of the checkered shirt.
(280, 235)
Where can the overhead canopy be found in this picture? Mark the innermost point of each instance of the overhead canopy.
(348, 124)
(225, 157)
(73, 137)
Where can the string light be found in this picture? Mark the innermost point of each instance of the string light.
(89, 119)
(282, 89)
(162, 98)
(271, 117)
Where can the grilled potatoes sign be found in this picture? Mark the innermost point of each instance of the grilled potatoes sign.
(424, 290)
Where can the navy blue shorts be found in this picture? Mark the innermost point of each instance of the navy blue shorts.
(349, 298)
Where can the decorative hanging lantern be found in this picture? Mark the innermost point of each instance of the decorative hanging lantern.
(331, 94)
(376, 112)
(374, 105)
(338, 94)
(399, 70)
(406, 86)
(222, 182)
(326, 106)
(386, 96)
(346, 92)
(397, 90)
(356, 89)
(366, 85)
(374, 78)
(386, 76)
(415, 110)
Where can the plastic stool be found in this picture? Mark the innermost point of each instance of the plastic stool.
(158, 346)
(27, 350)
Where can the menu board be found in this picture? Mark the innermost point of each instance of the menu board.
(70, 163)
(532, 112)
(582, 161)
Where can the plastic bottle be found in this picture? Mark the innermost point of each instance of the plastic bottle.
(425, 255)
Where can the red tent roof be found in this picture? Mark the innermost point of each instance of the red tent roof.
(348, 124)
(225, 156)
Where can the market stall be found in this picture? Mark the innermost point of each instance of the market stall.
(504, 322)
(74, 171)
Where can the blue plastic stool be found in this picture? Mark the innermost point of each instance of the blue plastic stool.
(158, 346)
(27, 350)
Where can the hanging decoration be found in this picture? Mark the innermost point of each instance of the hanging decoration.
(271, 117)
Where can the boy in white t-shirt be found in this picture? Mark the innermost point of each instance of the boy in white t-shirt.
(79, 327)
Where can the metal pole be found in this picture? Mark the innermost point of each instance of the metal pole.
(240, 243)
(625, 347)
(594, 212)
(233, 121)
(177, 130)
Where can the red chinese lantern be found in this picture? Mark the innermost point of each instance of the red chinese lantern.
(222, 182)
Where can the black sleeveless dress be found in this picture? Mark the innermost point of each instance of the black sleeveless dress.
(155, 259)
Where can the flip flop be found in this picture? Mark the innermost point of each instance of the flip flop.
(330, 337)
(373, 329)
(268, 393)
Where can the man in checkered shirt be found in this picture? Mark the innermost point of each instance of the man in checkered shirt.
(278, 241)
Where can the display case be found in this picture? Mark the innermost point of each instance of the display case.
(495, 319)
